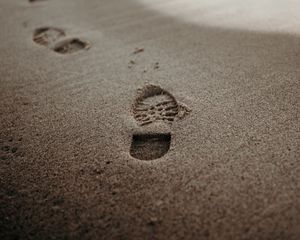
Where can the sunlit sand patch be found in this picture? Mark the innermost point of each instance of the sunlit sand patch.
(259, 15)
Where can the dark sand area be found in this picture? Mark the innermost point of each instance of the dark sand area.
(87, 85)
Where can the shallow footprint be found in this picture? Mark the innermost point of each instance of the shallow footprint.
(154, 105)
(47, 35)
(70, 46)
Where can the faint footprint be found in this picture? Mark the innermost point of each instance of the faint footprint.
(55, 39)
(47, 35)
(10, 148)
(70, 46)
(154, 105)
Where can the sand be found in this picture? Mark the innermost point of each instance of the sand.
(72, 79)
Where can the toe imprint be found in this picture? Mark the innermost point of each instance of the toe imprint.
(47, 35)
(156, 104)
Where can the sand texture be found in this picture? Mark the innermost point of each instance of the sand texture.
(119, 120)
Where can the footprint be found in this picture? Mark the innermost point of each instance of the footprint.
(70, 46)
(47, 35)
(150, 146)
(154, 105)
(10, 148)
(55, 39)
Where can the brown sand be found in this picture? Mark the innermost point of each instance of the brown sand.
(232, 170)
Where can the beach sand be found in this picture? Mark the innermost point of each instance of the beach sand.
(79, 159)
